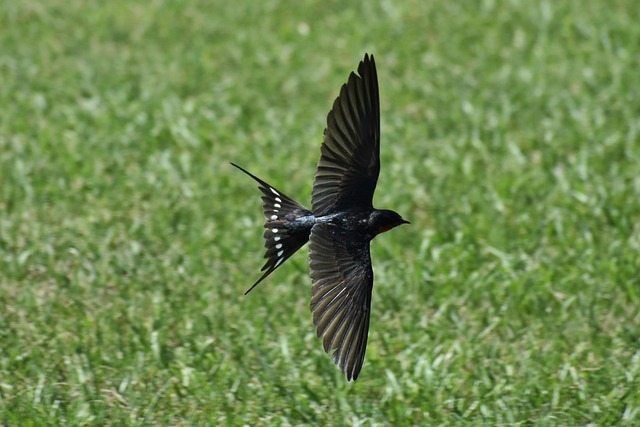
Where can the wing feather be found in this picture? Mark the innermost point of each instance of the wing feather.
(350, 154)
(342, 283)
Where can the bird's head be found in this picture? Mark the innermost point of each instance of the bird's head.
(384, 220)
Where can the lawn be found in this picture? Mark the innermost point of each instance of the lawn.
(510, 140)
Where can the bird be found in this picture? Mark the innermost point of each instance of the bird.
(341, 222)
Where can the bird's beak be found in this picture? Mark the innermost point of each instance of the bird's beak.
(404, 221)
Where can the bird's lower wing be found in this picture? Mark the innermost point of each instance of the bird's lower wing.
(342, 277)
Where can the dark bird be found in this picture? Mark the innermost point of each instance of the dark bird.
(340, 224)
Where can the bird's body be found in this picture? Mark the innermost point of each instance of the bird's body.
(341, 223)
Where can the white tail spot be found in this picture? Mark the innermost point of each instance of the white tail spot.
(280, 253)
(274, 230)
(274, 217)
(279, 245)
(274, 191)
(277, 238)
(279, 262)
(277, 205)
(278, 199)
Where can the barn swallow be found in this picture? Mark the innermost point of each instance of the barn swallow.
(341, 223)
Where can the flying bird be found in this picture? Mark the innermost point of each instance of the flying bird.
(341, 223)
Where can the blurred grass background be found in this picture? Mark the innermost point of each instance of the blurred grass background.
(509, 140)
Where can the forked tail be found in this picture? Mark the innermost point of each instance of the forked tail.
(281, 241)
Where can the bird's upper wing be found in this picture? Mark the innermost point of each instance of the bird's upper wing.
(342, 277)
(350, 162)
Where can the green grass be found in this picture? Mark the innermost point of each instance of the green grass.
(510, 141)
